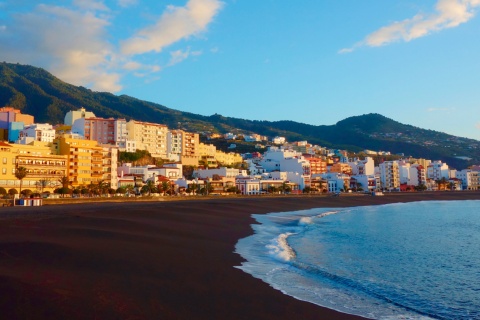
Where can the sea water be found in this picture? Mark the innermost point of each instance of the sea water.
(418, 260)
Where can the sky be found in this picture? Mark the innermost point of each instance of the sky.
(310, 61)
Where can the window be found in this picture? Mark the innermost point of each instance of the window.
(4, 170)
(4, 160)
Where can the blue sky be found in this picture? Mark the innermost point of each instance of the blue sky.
(310, 61)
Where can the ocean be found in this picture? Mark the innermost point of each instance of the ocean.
(418, 260)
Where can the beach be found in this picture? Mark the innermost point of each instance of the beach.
(151, 260)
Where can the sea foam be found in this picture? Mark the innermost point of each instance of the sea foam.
(280, 249)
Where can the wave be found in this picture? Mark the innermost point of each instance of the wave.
(310, 219)
(280, 249)
(358, 287)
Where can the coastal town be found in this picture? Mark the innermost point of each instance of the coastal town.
(81, 157)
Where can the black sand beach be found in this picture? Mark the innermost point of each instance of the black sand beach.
(151, 260)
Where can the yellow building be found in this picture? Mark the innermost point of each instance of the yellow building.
(44, 168)
(149, 136)
(84, 159)
(228, 159)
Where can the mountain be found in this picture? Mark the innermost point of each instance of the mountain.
(39, 93)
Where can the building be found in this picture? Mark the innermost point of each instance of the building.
(72, 115)
(469, 178)
(110, 164)
(84, 159)
(438, 170)
(341, 167)
(317, 165)
(44, 168)
(276, 159)
(183, 146)
(12, 121)
(417, 175)
(36, 132)
(222, 172)
(389, 175)
(228, 159)
(248, 185)
(363, 167)
(149, 136)
(336, 181)
(279, 140)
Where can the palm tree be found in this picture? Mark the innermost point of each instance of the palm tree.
(20, 173)
(43, 183)
(64, 189)
(149, 186)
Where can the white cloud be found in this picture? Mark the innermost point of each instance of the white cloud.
(70, 43)
(91, 5)
(132, 65)
(176, 24)
(449, 14)
(179, 55)
(478, 125)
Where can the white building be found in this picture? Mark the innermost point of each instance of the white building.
(36, 132)
(389, 175)
(363, 167)
(222, 172)
(418, 175)
(336, 181)
(276, 159)
(438, 170)
(110, 164)
(248, 185)
(470, 179)
(150, 172)
(71, 116)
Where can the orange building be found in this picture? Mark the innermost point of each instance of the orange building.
(341, 168)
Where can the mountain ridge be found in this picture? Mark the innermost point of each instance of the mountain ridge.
(39, 93)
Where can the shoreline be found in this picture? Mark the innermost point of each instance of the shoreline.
(152, 259)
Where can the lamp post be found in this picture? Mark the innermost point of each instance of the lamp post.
(154, 183)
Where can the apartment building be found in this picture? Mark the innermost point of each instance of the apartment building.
(470, 179)
(110, 164)
(149, 136)
(36, 132)
(389, 175)
(44, 168)
(84, 159)
(438, 170)
(340, 167)
(183, 146)
(317, 165)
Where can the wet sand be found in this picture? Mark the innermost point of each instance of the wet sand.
(150, 260)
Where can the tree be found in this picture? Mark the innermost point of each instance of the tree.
(149, 187)
(64, 189)
(26, 192)
(12, 192)
(421, 187)
(3, 191)
(20, 173)
(43, 183)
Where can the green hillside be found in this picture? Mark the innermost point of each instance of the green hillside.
(39, 93)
